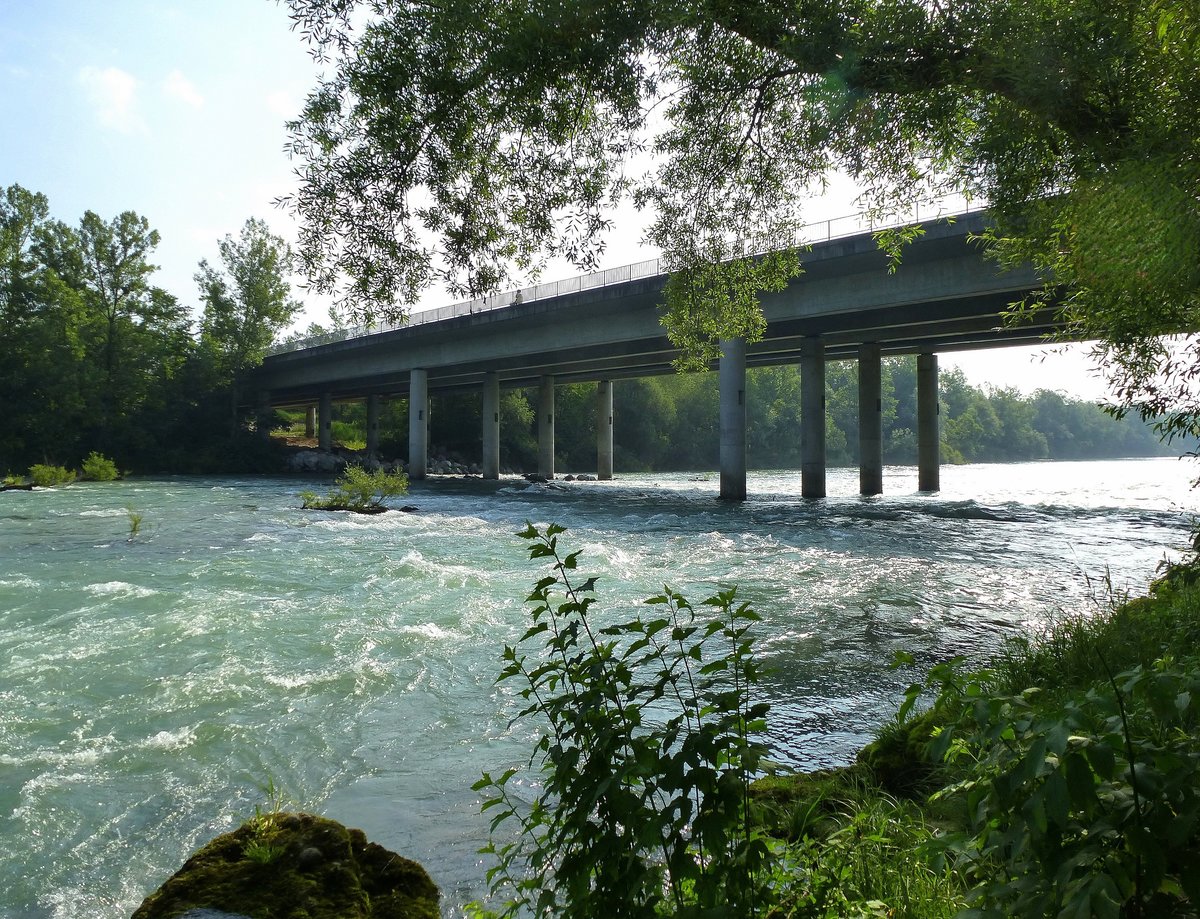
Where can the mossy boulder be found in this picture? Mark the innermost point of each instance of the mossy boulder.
(296, 866)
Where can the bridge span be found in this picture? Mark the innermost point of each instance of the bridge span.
(944, 296)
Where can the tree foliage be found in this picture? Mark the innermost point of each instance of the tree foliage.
(95, 357)
(467, 142)
(247, 302)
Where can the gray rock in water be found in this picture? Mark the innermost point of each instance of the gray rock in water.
(315, 461)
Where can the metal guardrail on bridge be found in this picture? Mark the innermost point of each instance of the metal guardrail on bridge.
(819, 231)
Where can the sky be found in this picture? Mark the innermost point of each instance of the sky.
(175, 109)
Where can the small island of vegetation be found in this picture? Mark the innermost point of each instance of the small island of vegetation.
(359, 490)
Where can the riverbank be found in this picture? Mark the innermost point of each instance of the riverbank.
(1061, 780)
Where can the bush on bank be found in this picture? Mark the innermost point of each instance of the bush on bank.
(1063, 781)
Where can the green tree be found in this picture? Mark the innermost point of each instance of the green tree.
(132, 334)
(43, 322)
(247, 302)
(645, 426)
(22, 213)
(509, 130)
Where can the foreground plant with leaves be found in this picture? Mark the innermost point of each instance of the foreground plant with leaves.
(1077, 758)
(1087, 807)
(649, 743)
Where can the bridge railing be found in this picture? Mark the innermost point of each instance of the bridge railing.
(818, 231)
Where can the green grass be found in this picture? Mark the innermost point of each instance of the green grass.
(1079, 651)
(135, 522)
(350, 436)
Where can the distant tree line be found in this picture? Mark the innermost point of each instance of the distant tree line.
(671, 422)
(95, 357)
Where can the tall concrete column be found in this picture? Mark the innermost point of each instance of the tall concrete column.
(604, 429)
(732, 383)
(263, 413)
(418, 424)
(546, 427)
(373, 423)
(928, 424)
(490, 416)
(812, 418)
(310, 421)
(870, 420)
(325, 422)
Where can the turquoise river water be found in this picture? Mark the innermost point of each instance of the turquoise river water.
(151, 687)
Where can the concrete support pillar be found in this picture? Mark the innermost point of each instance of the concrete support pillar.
(325, 425)
(812, 418)
(263, 414)
(870, 420)
(418, 424)
(310, 421)
(546, 427)
(928, 424)
(732, 384)
(373, 423)
(490, 415)
(604, 429)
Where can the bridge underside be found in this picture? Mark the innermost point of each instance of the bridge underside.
(944, 297)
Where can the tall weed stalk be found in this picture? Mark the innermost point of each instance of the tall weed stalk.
(649, 740)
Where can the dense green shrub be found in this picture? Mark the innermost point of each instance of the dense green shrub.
(1077, 760)
(359, 490)
(648, 744)
(99, 468)
(1087, 807)
(46, 476)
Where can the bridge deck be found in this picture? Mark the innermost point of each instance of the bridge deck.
(944, 296)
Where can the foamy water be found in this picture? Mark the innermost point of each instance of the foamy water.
(151, 687)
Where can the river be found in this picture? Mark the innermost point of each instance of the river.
(151, 687)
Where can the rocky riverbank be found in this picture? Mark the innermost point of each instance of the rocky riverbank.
(312, 460)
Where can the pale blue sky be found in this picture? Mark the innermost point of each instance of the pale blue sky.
(175, 109)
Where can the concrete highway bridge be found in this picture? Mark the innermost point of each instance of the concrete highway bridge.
(944, 296)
